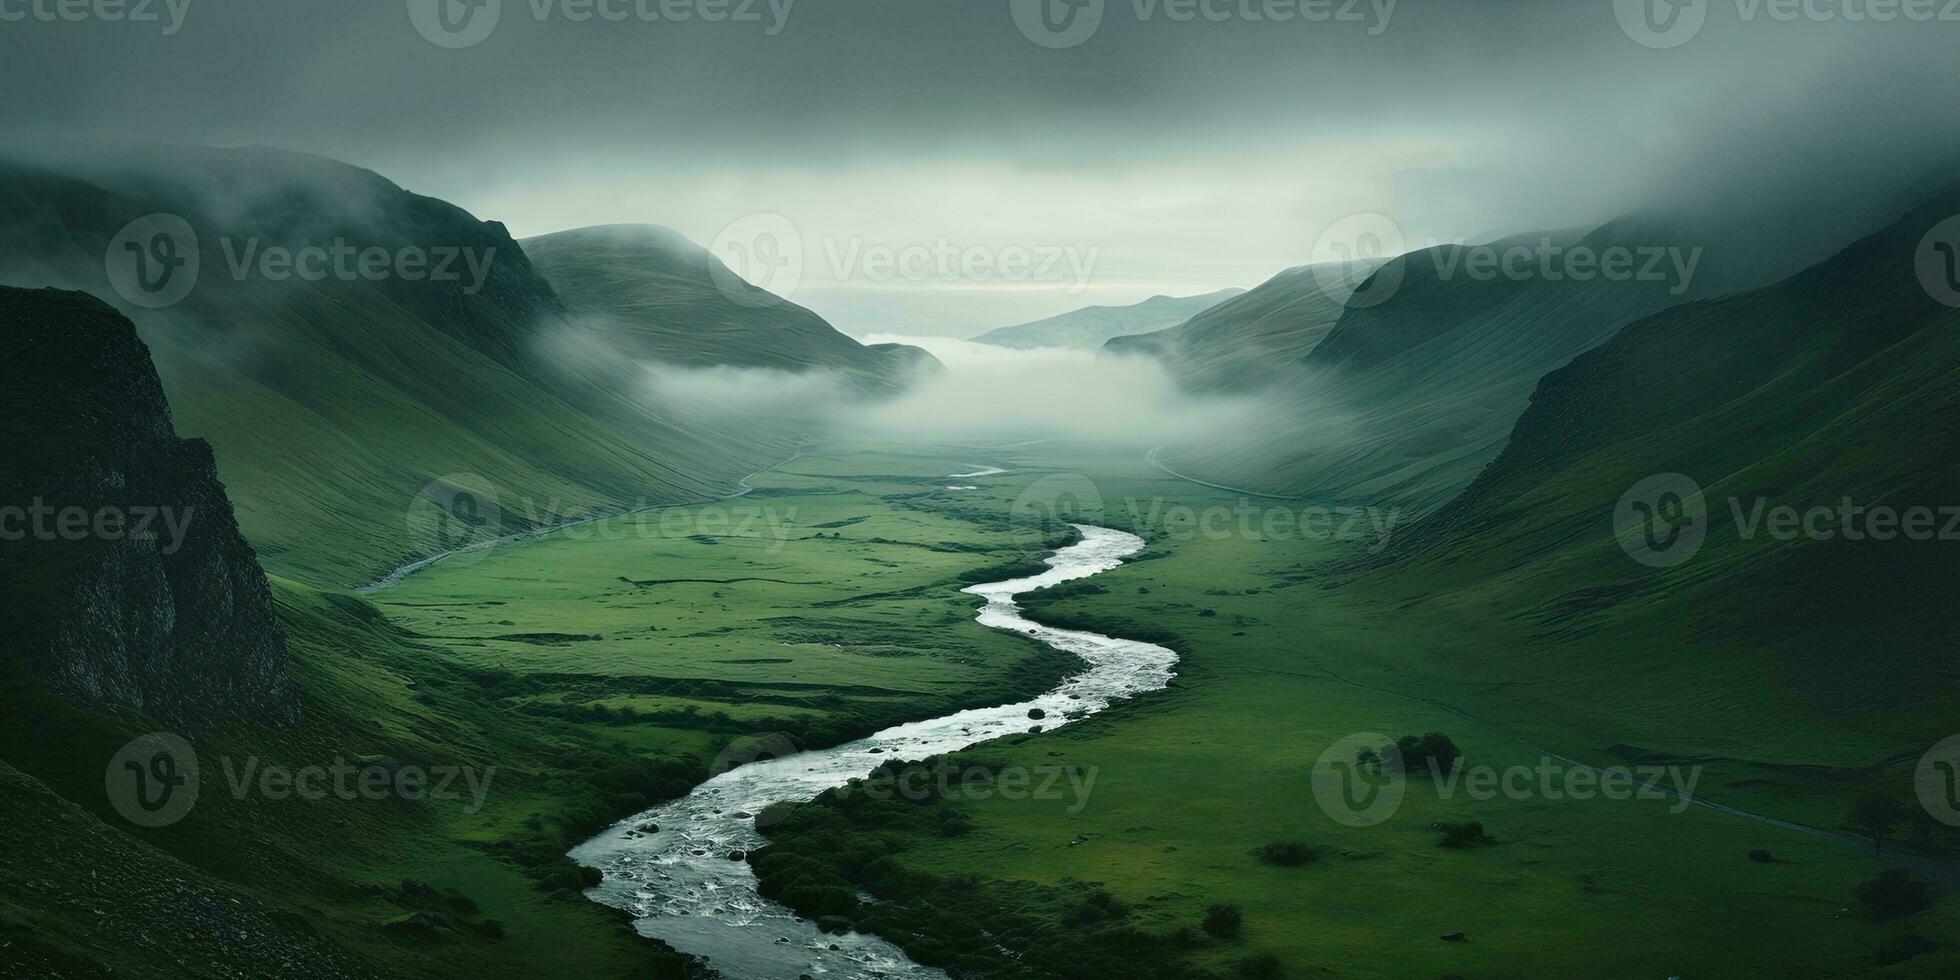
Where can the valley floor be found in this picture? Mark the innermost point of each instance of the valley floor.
(1283, 662)
(602, 668)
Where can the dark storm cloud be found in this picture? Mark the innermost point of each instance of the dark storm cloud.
(1172, 142)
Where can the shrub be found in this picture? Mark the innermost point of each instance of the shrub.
(1285, 853)
(1903, 947)
(420, 925)
(1876, 813)
(1460, 835)
(1761, 855)
(1433, 750)
(820, 900)
(1099, 906)
(1223, 920)
(1261, 966)
(1895, 893)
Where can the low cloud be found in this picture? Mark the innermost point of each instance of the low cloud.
(586, 347)
(993, 392)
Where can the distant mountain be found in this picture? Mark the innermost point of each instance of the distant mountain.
(1250, 341)
(159, 605)
(1091, 326)
(334, 400)
(1837, 388)
(659, 297)
(1417, 384)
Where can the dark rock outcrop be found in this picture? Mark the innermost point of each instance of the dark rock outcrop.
(124, 575)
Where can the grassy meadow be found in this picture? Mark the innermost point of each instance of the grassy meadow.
(580, 676)
(1281, 660)
(604, 667)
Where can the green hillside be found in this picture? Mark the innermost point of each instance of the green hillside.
(1251, 341)
(1841, 384)
(1407, 397)
(386, 383)
(655, 296)
(1790, 677)
(1092, 326)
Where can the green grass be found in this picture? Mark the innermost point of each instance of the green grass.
(417, 676)
(823, 604)
(1191, 780)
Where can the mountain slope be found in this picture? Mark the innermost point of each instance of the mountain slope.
(1090, 327)
(1772, 651)
(1253, 340)
(1408, 396)
(655, 296)
(333, 402)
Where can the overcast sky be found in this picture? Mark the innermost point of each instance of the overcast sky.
(1157, 155)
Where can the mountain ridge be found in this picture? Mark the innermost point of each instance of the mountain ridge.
(1091, 327)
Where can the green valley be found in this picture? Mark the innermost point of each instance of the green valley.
(504, 490)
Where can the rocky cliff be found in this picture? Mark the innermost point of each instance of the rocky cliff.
(123, 576)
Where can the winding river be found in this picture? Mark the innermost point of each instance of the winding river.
(680, 882)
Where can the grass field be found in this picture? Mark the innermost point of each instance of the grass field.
(603, 667)
(824, 604)
(1280, 663)
(574, 696)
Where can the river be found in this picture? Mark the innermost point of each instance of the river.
(680, 883)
